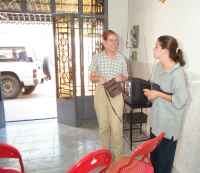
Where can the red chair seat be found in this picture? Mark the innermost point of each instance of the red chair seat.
(139, 161)
(8, 170)
(97, 161)
(137, 166)
(114, 167)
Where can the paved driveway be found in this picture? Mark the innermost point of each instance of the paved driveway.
(40, 104)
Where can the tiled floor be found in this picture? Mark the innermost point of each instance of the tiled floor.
(49, 147)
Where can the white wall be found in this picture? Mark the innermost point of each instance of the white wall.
(180, 18)
(118, 20)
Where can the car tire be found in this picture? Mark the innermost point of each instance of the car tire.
(28, 90)
(11, 86)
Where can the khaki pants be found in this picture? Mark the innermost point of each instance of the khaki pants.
(110, 127)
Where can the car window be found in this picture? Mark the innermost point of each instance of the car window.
(6, 54)
(3, 57)
(14, 54)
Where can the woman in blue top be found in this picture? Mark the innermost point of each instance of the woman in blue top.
(167, 112)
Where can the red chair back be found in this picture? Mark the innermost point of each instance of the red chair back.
(140, 157)
(8, 151)
(98, 160)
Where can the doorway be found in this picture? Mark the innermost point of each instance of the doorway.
(77, 29)
(25, 54)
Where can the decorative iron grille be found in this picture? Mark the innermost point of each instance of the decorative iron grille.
(10, 17)
(38, 6)
(63, 40)
(10, 5)
(76, 43)
(92, 31)
(61, 6)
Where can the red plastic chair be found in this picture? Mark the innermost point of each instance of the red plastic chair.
(8, 151)
(139, 161)
(98, 160)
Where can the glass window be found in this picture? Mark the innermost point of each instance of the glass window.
(67, 6)
(38, 5)
(93, 6)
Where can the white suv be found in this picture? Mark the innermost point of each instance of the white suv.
(18, 72)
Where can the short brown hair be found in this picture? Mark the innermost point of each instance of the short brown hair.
(107, 33)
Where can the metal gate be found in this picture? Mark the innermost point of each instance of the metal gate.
(77, 40)
(78, 33)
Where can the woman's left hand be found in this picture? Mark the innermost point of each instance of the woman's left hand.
(119, 78)
(151, 94)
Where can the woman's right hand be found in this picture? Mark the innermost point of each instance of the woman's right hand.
(94, 77)
(151, 94)
(102, 79)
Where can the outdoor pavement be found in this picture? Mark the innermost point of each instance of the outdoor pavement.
(38, 105)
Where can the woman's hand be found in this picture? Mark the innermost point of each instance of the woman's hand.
(120, 78)
(151, 94)
(102, 79)
(94, 77)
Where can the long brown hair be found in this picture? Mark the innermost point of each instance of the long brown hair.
(170, 43)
